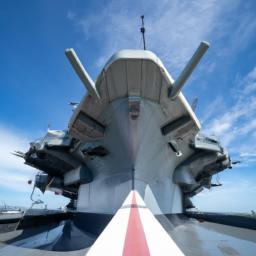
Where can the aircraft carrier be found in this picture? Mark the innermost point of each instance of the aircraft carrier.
(130, 161)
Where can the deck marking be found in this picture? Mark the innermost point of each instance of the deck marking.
(134, 231)
(135, 240)
(159, 241)
(111, 240)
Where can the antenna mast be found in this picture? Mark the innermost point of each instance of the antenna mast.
(142, 30)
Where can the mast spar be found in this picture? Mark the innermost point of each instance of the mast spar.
(142, 30)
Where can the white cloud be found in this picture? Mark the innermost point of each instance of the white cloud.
(241, 28)
(235, 124)
(71, 15)
(233, 196)
(174, 29)
(14, 174)
(246, 85)
(211, 109)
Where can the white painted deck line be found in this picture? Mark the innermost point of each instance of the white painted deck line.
(111, 240)
(159, 242)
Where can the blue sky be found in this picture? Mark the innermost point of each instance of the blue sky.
(37, 82)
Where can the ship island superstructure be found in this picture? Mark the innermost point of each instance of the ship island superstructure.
(134, 130)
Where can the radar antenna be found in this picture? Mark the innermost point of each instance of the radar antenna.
(142, 30)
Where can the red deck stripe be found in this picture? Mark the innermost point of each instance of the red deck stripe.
(135, 240)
